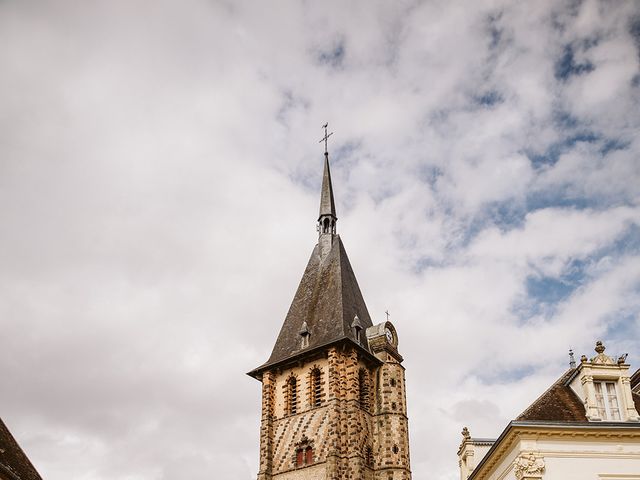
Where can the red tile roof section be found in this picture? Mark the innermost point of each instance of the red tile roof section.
(558, 404)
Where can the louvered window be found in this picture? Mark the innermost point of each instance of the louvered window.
(316, 387)
(292, 393)
(363, 386)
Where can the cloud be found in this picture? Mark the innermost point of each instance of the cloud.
(159, 181)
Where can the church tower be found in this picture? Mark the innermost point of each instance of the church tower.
(333, 389)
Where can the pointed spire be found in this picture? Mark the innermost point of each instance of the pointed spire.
(327, 204)
(327, 218)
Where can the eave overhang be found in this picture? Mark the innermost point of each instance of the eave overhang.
(257, 372)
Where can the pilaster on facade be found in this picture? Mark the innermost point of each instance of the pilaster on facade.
(631, 412)
(266, 427)
(590, 395)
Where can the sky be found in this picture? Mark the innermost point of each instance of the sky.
(160, 169)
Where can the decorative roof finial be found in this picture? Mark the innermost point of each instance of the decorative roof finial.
(465, 434)
(325, 138)
(572, 361)
(601, 357)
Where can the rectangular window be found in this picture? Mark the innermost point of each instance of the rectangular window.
(607, 400)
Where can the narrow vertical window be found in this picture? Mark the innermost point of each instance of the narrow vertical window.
(316, 388)
(607, 400)
(612, 401)
(363, 387)
(368, 457)
(292, 393)
(308, 456)
(299, 457)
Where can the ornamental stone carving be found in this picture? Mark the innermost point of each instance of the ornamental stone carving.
(601, 358)
(528, 466)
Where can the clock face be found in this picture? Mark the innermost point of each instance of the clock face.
(389, 335)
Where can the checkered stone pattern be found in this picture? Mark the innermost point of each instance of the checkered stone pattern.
(341, 429)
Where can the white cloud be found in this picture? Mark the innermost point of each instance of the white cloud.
(159, 181)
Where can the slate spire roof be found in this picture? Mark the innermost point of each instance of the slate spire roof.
(327, 205)
(328, 297)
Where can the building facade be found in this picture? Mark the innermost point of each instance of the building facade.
(333, 389)
(584, 427)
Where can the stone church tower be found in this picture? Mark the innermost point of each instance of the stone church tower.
(333, 389)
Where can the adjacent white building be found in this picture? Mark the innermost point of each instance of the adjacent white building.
(584, 427)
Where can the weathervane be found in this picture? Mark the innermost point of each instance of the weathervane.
(325, 138)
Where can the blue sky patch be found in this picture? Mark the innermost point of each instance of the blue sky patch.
(634, 31)
(334, 56)
(551, 290)
(488, 99)
(495, 33)
(551, 155)
(567, 67)
(558, 198)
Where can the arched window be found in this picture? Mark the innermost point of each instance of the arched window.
(325, 225)
(292, 396)
(316, 387)
(304, 453)
(363, 389)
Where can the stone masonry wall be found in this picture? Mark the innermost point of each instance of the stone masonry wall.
(342, 428)
(392, 431)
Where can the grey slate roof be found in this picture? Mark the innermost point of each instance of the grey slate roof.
(14, 464)
(328, 298)
(327, 205)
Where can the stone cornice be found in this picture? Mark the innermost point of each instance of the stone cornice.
(516, 430)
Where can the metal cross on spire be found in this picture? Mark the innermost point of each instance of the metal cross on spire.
(387, 313)
(325, 138)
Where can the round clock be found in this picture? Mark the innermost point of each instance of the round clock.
(389, 334)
